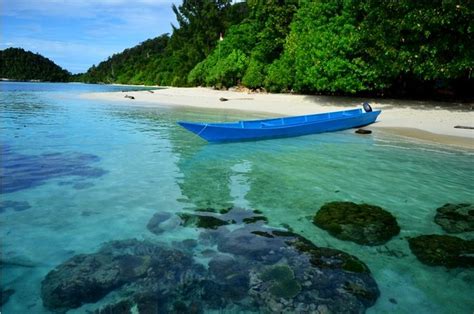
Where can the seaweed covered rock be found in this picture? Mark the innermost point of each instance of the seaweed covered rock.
(289, 273)
(282, 281)
(228, 280)
(87, 278)
(360, 223)
(443, 250)
(455, 218)
(253, 268)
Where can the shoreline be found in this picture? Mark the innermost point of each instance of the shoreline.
(414, 119)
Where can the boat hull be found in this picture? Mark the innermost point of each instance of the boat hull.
(278, 128)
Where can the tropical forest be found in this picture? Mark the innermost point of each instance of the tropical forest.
(392, 48)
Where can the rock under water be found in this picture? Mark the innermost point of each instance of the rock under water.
(359, 223)
(443, 250)
(253, 268)
(455, 218)
(5, 295)
(21, 171)
(14, 205)
(87, 278)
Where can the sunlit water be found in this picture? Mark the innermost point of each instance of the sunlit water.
(115, 166)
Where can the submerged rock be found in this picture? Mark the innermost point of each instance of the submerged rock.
(202, 221)
(363, 131)
(250, 245)
(443, 250)
(360, 223)
(14, 205)
(212, 218)
(255, 219)
(285, 266)
(282, 281)
(21, 171)
(155, 223)
(455, 218)
(228, 281)
(5, 295)
(252, 268)
(87, 278)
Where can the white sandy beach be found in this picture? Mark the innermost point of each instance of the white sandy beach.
(426, 121)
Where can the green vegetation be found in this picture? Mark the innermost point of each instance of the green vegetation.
(397, 48)
(167, 60)
(21, 65)
(136, 65)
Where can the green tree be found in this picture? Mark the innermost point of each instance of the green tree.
(260, 37)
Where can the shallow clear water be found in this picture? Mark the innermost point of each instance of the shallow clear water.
(91, 172)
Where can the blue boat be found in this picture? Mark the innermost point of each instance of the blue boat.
(283, 127)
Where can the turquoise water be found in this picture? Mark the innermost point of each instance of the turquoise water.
(86, 172)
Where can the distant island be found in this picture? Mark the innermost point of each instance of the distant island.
(21, 65)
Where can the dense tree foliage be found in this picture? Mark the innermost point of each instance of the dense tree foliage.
(249, 47)
(137, 65)
(21, 65)
(399, 47)
(167, 60)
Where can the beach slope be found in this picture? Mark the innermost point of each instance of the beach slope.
(428, 121)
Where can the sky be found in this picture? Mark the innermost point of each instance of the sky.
(76, 34)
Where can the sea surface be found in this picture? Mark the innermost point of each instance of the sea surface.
(78, 173)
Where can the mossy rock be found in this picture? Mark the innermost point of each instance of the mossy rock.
(287, 289)
(361, 223)
(278, 273)
(455, 218)
(443, 250)
(321, 257)
(283, 282)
